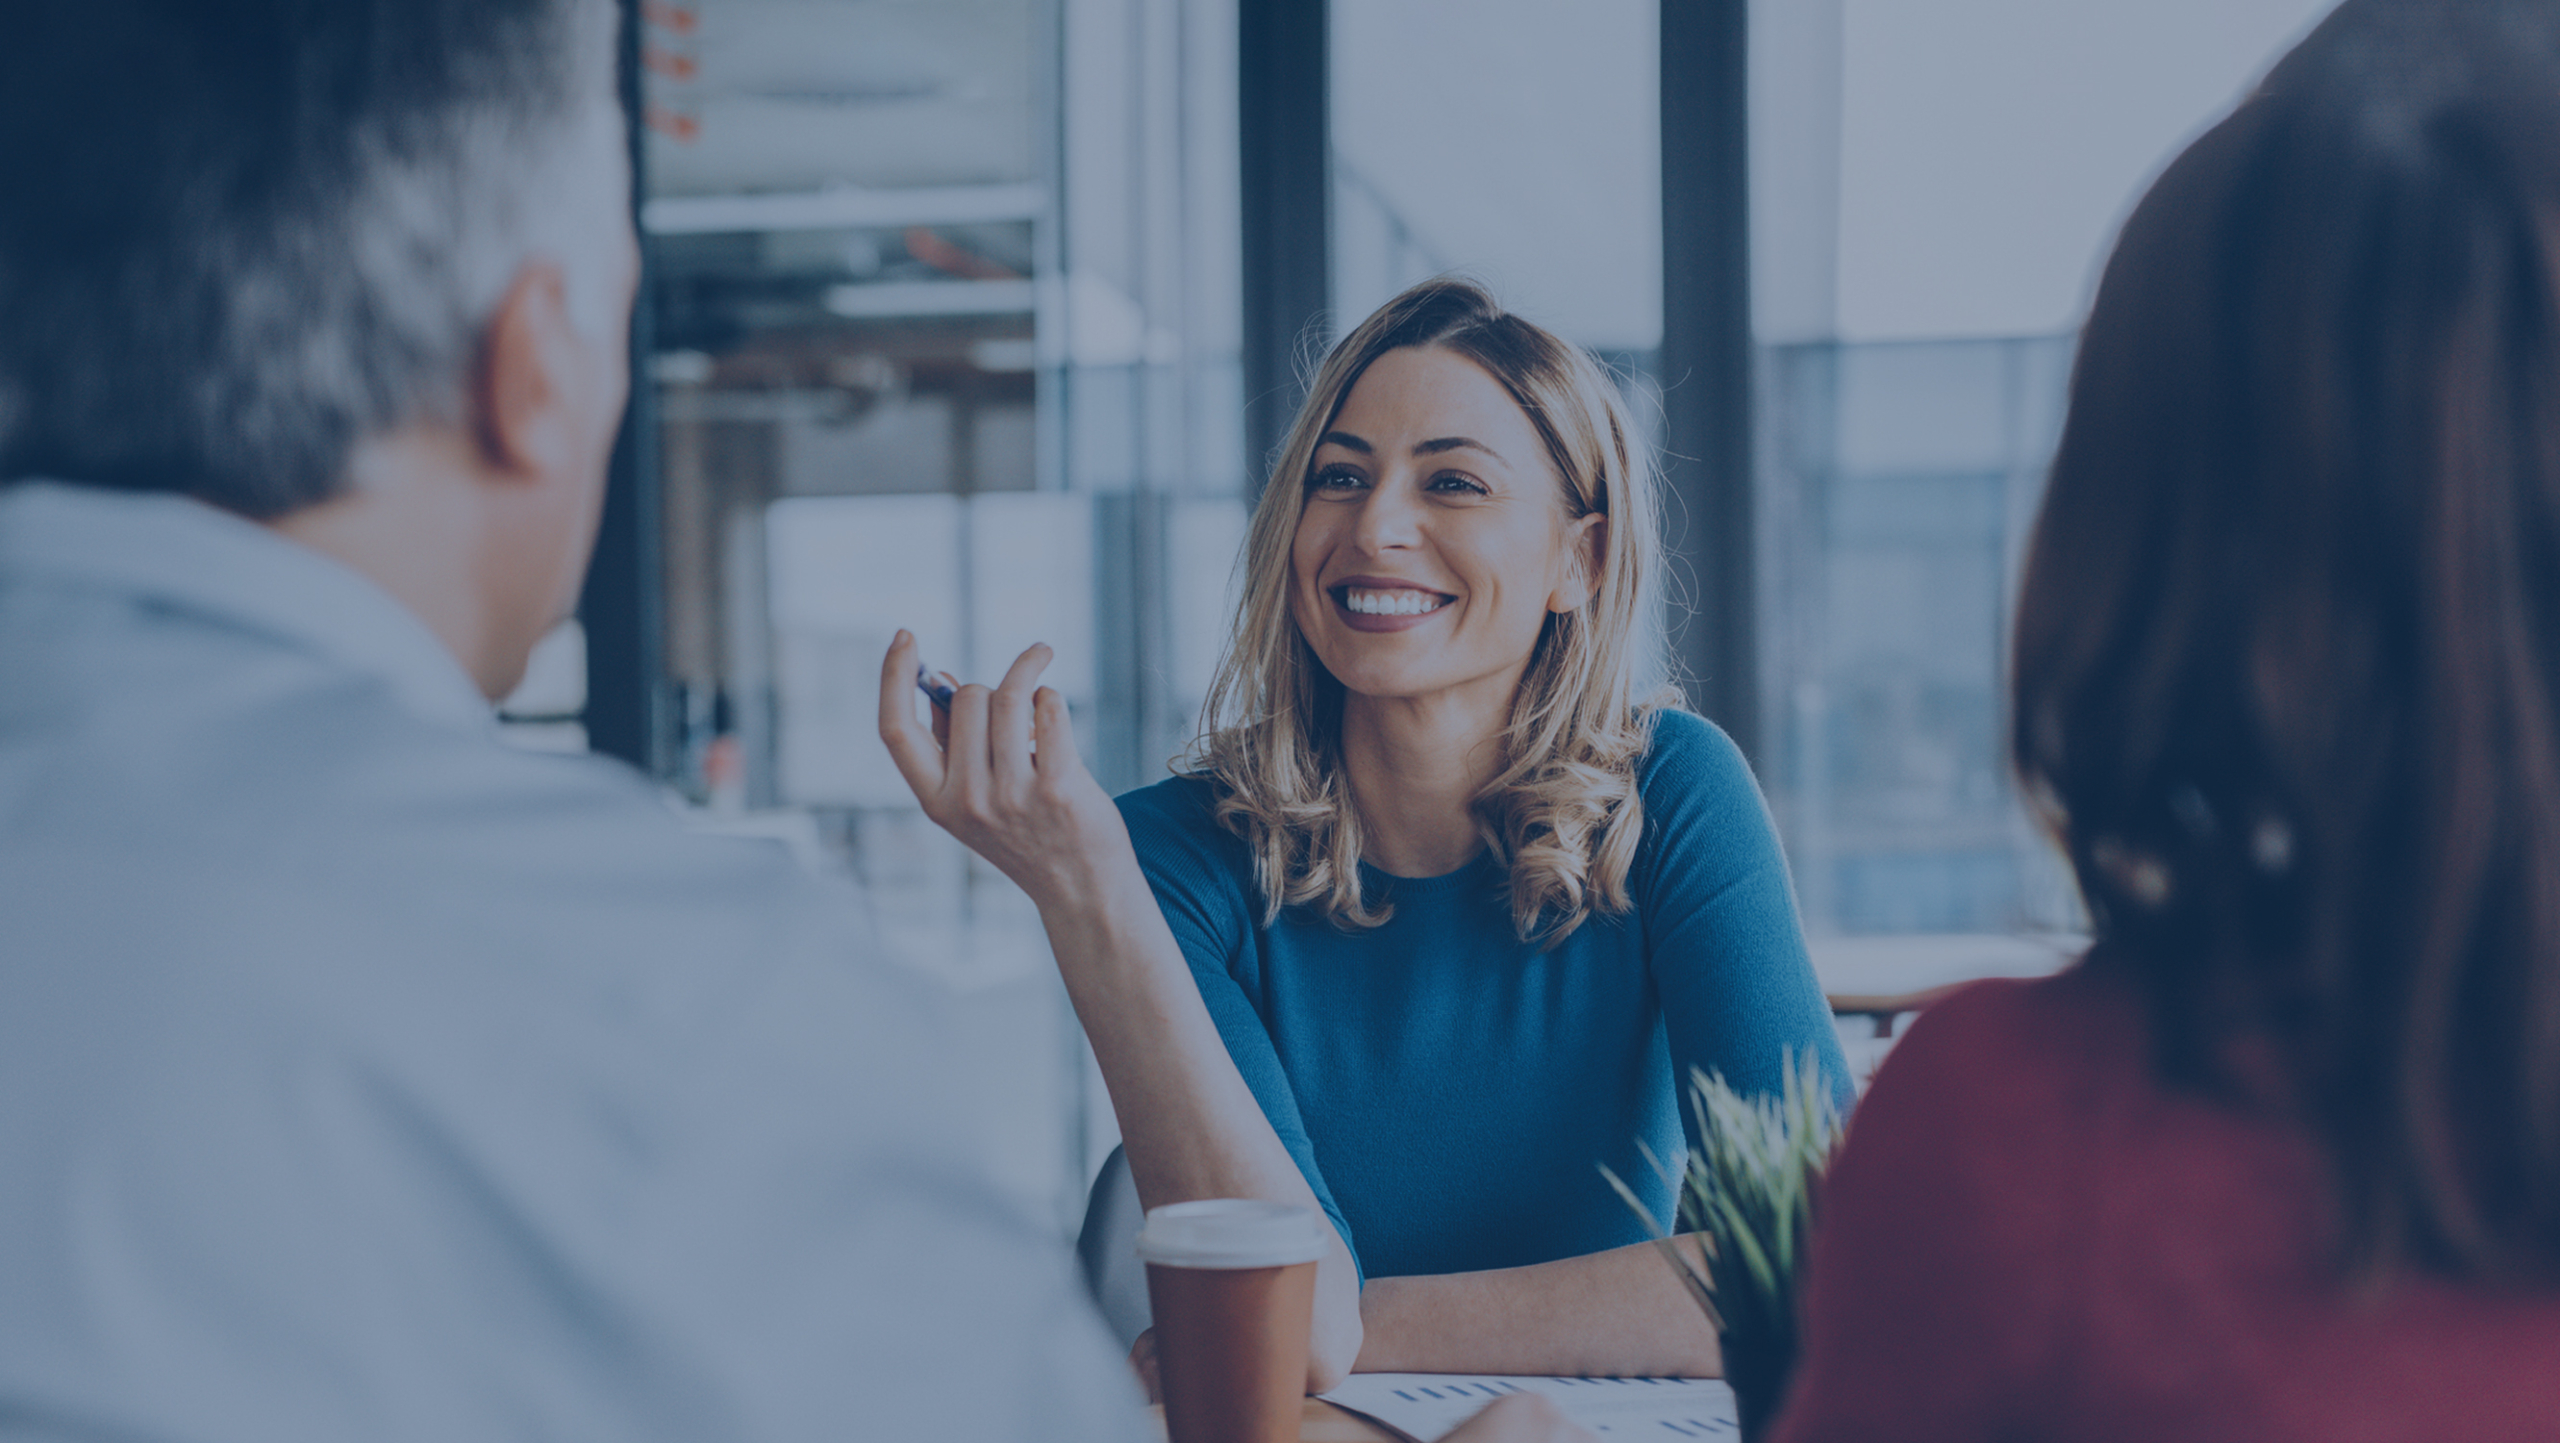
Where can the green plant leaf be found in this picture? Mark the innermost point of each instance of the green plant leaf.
(1745, 1200)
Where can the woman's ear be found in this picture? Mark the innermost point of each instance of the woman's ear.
(1588, 541)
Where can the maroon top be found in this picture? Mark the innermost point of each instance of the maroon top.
(2028, 1237)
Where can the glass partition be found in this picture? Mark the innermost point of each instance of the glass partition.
(944, 315)
(1899, 483)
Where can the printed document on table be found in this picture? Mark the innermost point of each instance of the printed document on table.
(1426, 1405)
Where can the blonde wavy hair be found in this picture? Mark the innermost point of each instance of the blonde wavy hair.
(1562, 813)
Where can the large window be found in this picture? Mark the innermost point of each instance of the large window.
(1899, 480)
(943, 318)
(1934, 189)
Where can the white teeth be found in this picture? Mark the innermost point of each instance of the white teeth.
(1390, 603)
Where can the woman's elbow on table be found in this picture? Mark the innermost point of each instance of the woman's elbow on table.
(1333, 1346)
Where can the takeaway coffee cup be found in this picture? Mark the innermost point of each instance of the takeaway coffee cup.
(1233, 1284)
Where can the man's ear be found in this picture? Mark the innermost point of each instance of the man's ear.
(1589, 539)
(528, 402)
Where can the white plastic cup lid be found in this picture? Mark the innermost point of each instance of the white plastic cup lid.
(1230, 1232)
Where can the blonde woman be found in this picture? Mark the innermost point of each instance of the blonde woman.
(1447, 895)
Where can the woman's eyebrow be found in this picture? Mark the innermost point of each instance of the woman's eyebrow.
(1432, 447)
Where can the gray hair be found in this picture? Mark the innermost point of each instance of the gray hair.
(270, 229)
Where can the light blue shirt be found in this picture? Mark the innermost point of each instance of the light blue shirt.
(363, 1078)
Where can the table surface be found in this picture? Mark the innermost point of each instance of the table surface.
(1321, 1422)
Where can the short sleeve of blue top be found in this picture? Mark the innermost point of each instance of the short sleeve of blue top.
(1451, 1092)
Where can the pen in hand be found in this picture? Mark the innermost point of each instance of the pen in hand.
(937, 686)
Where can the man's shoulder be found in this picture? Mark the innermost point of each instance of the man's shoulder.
(309, 866)
(269, 809)
(445, 1006)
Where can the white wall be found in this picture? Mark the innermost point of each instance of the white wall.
(1795, 168)
(1929, 169)
(1520, 140)
(1921, 169)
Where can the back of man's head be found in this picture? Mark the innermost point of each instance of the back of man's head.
(246, 234)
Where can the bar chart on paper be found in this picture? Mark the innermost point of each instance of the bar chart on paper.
(1426, 1405)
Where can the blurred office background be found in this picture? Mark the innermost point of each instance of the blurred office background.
(977, 317)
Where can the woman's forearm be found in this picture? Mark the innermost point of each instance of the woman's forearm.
(1620, 1313)
(1191, 1127)
(999, 770)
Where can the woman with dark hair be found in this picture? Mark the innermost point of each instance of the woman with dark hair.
(2281, 1157)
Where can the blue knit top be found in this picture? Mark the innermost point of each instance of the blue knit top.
(1450, 1091)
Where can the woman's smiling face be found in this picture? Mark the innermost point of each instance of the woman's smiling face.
(1434, 540)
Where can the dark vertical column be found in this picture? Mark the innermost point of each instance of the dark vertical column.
(623, 602)
(1707, 354)
(1288, 206)
(1129, 747)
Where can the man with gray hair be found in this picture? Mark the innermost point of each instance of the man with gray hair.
(361, 1078)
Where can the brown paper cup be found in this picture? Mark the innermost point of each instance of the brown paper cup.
(1233, 1286)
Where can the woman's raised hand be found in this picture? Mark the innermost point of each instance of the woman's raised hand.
(1000, 772)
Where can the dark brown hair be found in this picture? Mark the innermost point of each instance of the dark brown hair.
(2288, 653)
